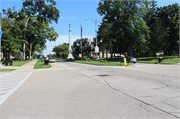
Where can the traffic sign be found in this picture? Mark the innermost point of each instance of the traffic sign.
(96, 49)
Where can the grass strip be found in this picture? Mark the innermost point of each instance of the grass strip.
(18, 63)
(40, 65)
(152, 60)
(104, 63)
(6, 70)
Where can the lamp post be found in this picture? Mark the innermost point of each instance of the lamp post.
(96, 48)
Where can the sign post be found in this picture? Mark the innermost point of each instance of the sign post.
(96, 49)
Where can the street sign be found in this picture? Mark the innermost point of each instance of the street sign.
(96, 49)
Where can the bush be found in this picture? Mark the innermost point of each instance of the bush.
(76, 57)
(85, 58)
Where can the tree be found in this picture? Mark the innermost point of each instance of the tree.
(49, 55)
(9, 39)
(39, 9)
(127, 15)
(61, 50)
(170, 17)
(54, 55)
(86, 49)
(38, 35)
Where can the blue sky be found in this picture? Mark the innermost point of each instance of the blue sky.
(74, 12)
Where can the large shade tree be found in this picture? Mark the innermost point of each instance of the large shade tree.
(61, 50)
(170, 17)
(86, 49)
(127, 15)
(45, 13)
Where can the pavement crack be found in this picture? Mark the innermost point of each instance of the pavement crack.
(170, 105)
(128, 95)
(147, 109)
(106, 82)
(165, 102)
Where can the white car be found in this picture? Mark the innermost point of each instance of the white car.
(51, 59)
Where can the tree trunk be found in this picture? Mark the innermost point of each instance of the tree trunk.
(155, 54)
(111, 54)
(114, 54)
(6, 55)
(30, 49)
(9, 55)
(103, 54)
(106, 54)
(32, 55)
(169, 52)
(24, 45)
(130, 49)
(21, 56)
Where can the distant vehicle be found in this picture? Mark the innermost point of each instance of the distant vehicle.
(51, 59)
(129, 59)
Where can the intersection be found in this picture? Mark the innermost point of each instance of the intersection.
(74, 90)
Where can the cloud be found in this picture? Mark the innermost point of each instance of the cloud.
(60, 40)
(67, 18)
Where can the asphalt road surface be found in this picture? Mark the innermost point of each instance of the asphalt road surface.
(80, 91)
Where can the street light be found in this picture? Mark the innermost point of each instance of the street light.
(96, 35)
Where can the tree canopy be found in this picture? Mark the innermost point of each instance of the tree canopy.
(30, 25)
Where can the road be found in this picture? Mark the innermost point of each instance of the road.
(80, 91)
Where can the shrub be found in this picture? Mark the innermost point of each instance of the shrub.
(76, 57)
(85, 57)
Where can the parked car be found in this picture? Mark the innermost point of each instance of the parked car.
(129, 59)
(51, 59)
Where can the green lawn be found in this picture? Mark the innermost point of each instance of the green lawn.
(6, 70)
(166, 60)
(18, 63)
(40, 65)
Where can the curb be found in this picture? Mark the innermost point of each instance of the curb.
(102, 65)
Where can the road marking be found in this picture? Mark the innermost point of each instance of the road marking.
(14, 89)
(6, 88)
(8, 85)
(3, 75)
(3, 92)
(9, 82)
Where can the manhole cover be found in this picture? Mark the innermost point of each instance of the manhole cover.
(103, 75)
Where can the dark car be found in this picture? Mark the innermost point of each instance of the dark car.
(129, 59)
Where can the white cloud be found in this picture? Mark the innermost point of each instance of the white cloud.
(67, 18)
(60, 40)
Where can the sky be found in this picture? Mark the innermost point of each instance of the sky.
(74, 12)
